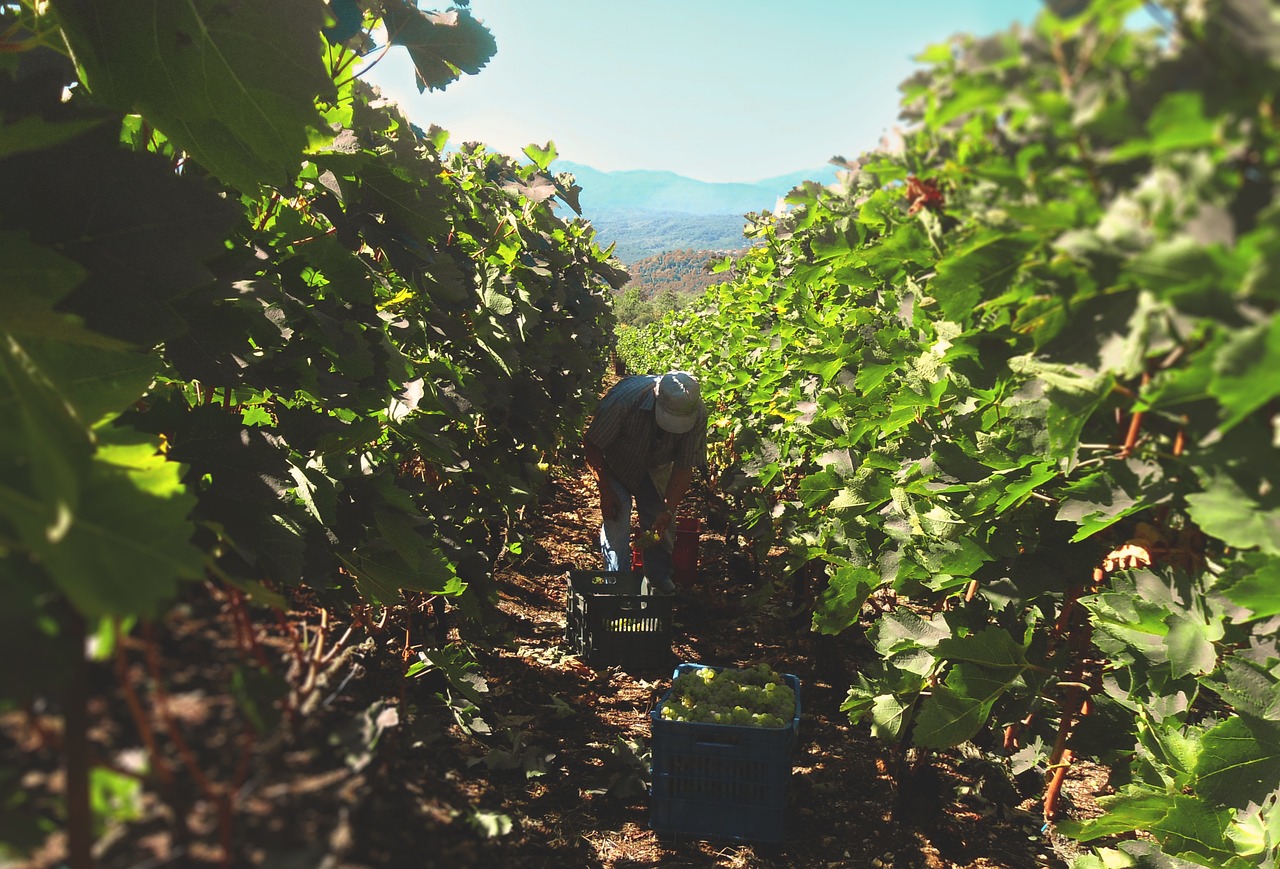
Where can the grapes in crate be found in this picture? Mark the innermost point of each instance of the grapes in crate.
(755, 697)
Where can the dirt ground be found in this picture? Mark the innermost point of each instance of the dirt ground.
(370, 769)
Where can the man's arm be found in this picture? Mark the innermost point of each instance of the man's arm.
(594, 457)
(691, 452)
(604, 429)
(677, 487)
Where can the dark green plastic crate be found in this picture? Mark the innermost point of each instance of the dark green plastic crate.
(609, 620)
(721, 781)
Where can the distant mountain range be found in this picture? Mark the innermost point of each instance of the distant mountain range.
(647, 212)
(649, 190)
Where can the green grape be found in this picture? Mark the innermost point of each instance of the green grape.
(756, 696)
(626, 625)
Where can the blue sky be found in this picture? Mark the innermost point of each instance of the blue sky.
(719, 90)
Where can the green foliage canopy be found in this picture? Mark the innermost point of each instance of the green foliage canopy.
(259, 326)
(1041, 330)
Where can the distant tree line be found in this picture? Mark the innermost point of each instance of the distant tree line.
(665, 282)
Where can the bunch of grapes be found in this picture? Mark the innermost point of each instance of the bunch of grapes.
(755, 697)
(648, 539)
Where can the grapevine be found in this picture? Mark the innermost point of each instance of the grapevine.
(1008, 393)
(275, 343)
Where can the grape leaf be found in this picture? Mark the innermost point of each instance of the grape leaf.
(1249, 688)
(380, 572)
(1182, 824)
(1019, 490)
(93, 380)
(1100, 500)
(1127, 624)
(841, 601)
(985, 665)
(139, 233)
(868, 488)
(1073, 398)
(902, 629)
(991, 647)
(233, 84)
(1227, 512)
(819, 488)
(983, 269)
(1127, 811)
(442, 45)
(542, 157)
(956, 710)
(1179, 122)
(34, 280)
(1252, 832)
(347, 18)
(44, 451)
(1239, 762)
(1134, 854)
(1244, 371)
(1190, 643)
(32, 133)
(1253, 582)
(128, 545)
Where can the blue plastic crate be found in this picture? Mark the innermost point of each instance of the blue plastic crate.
(721, 781)
(610, 619)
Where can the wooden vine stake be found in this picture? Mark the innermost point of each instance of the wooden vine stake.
(75, 749)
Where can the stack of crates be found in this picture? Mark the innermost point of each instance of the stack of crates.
(611, 619)
(721, 781)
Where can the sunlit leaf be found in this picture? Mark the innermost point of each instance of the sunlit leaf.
(542, 157)
(1225, 511)
(233, 84)
(129, 542)
(841, 602)
(443, 45)
(490, 824)
(1239, 762)
(1191, 648)
(1253, 582)
(1244, 371)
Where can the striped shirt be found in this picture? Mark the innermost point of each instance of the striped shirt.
(626, 431)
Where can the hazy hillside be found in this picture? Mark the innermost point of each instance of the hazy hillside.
(647, 212)
(665, 282)
(682, 271)
(641, 234)
(648, 190)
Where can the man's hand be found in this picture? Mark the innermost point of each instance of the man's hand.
(610, 506)
(677, 486)
(662, 523)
